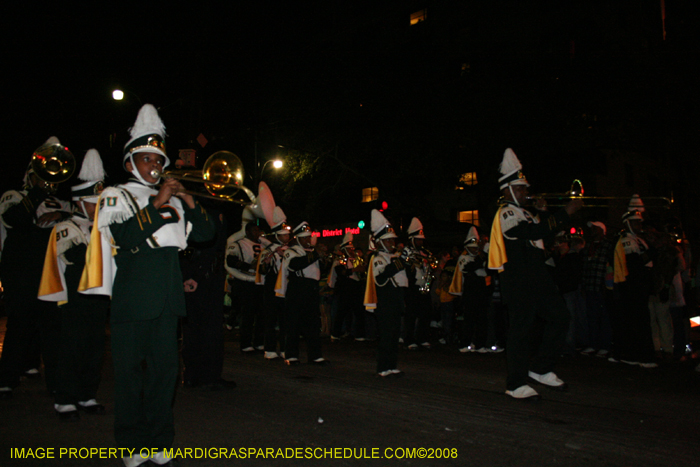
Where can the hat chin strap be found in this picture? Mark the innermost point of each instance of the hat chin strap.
(311, 248)
(135, 173)
(82, 208)
(384, 248)
(510, 188)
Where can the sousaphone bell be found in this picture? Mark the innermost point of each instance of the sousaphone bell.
(53, 164)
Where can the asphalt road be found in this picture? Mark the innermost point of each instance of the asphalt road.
(450, 404)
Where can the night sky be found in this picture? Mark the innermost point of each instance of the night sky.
(352, 84)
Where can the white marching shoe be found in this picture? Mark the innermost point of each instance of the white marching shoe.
(549, 379)
(524, 392)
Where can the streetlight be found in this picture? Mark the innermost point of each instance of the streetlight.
(118, 95)
(276, 163)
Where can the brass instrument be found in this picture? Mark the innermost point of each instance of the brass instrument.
(428, 262)
(222, 176)
(432, 263)
(359, 262)
(576, 192)
(341, 257)
(262, 207)
(355, 262)
(53, 164)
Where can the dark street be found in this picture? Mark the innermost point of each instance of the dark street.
(448, 403)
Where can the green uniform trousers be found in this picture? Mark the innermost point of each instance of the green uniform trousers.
(146, 368)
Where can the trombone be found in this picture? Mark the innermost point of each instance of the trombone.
(222, 176)
(576, 192)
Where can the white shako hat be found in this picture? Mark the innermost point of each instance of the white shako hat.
(632, 216)
(279, 221)
(415, 229)
(347, 240)
(636, 204)
(92, 174)
(472, 237)
(381, 227)
(511, 170)
(147, 135)
(302, 230)
(49, 142)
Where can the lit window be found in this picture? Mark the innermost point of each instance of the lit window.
(370, 194)
(471, 217)
(419, 16)
(468, 179)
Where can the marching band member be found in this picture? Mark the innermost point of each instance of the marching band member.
(346, 279)
(633, 279)
(27, 218)
(472, 282)
(301, 262)
(241, 262)
(268, 268)
(385, 293)
(202, 266)
(82, 317)
(146, 226)
(529, 291)
(418, 302)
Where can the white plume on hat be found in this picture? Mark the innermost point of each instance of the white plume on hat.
(415, 229)
(636, 204)
(278, 217)
(510, 166)
(472, 237)
(510, 163)
(347, 238)
(92, 174)
(147, 123)
(381, 227)
(51, 141)
(92, 169)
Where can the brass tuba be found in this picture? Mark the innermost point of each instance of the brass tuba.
(53, 164)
